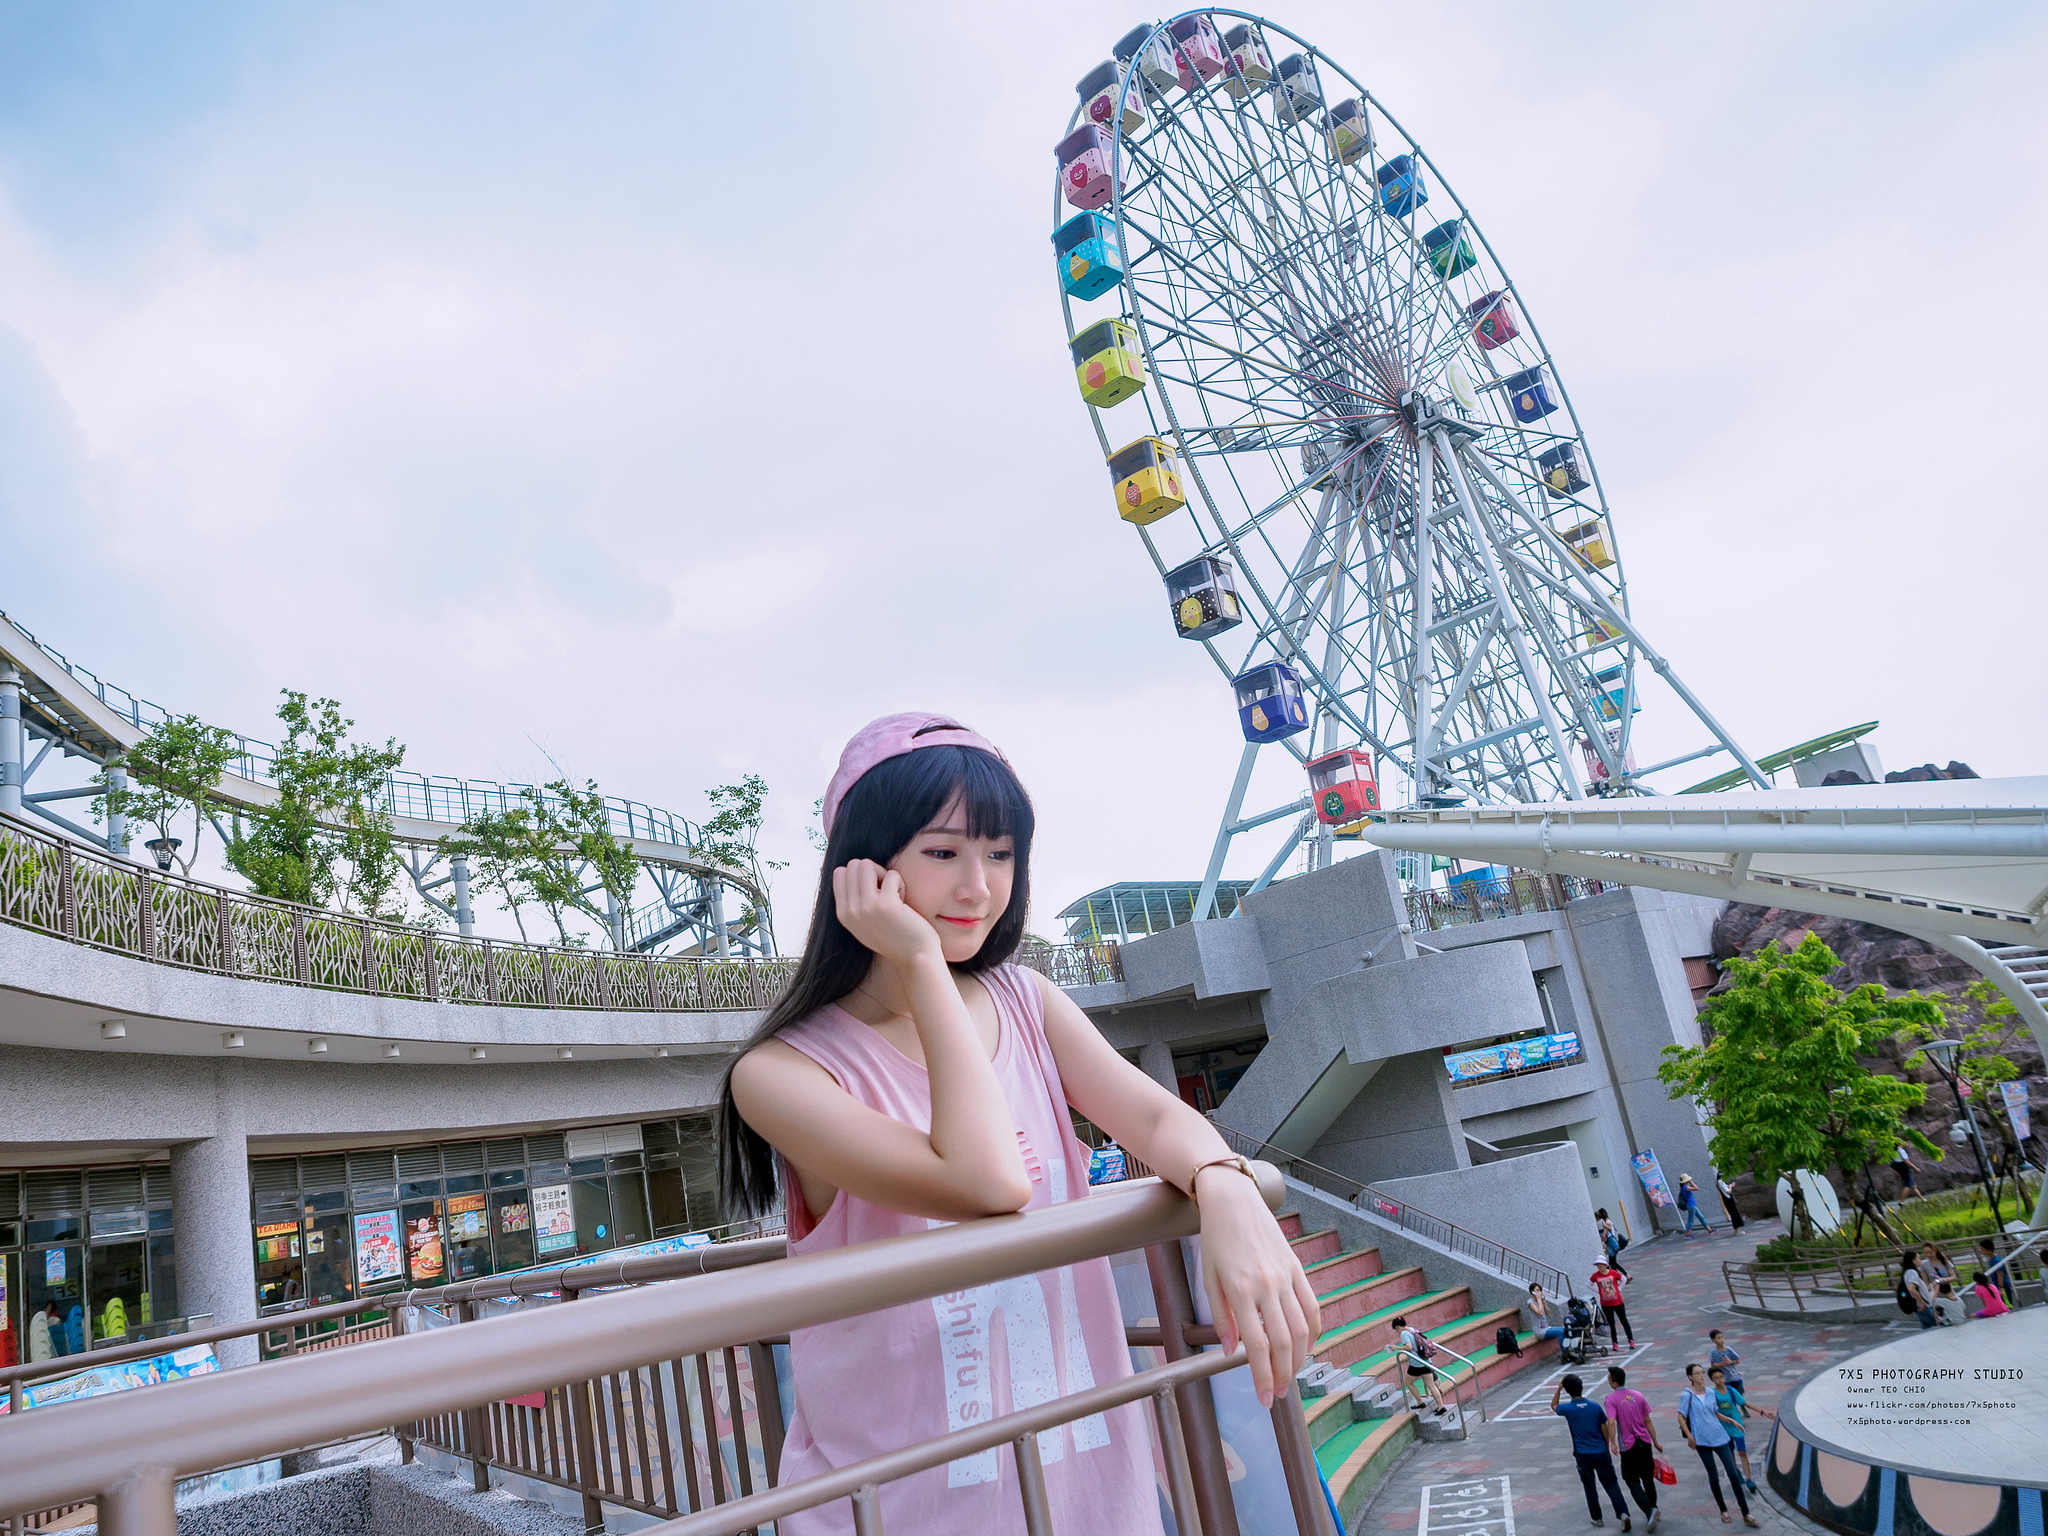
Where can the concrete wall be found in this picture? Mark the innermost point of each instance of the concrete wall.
(362, 1500)
(1535, 1204)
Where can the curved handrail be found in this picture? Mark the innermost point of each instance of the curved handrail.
(101, 1446)
(438, 803)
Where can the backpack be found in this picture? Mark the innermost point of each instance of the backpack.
(1907, 1304)
(1505, 1342)
(1423, 1348)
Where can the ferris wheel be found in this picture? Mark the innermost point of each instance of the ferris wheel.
(1326, 409)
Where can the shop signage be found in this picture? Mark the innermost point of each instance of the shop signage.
(423, 1247)
(554, 1223)
(277, 1240)
(466, 1218)
(376, 1247)
(1651, 1172)
(2016, 1107)
(1515, 1056)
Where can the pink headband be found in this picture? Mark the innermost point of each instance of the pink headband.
(893, 736)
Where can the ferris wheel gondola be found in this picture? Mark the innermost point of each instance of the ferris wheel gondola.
(1347, 395)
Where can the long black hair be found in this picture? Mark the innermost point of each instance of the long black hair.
(888, 805)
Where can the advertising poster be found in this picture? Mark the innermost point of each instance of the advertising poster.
(1652, 1174)
(516, 1217)
(554, 1223)
(277, 1240)
(193, 1360)
(53, 1266)
(2016, 1108)
(377, 1253)
(1515, 1056)
(466, 1218)
(423, 1247)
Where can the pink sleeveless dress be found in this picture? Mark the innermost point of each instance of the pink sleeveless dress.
(876, 1383)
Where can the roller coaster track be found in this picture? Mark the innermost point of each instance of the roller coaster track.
(74, 711)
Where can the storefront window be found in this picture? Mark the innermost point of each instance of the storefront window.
(280, 1265)
(629, 1209)
(592, 1203)
(54, 1285)
(512, 1228)
(426, 1257)
(330, 1270)
(469, 1234)
(116, 1280)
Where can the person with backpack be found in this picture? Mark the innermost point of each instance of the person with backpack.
(1592, 1446)
(1915, 1297)
(1415, 1351)
(1610, 1239)
(1708, 1433)
(1607, 1284)
(1635, 1436)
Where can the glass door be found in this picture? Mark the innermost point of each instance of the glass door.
(512, 1228)
(280, 1264)
(114, 1280)
(330, 1273)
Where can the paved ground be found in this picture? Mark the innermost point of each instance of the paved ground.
(1515, 1476)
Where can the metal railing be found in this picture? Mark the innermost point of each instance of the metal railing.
(1363, 1197)
(607, 1423)
(1458, 1384)
(1478, 901)
(53, 886)
(1829, 1281)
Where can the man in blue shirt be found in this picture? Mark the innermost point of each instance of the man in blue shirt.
(1592, 1446)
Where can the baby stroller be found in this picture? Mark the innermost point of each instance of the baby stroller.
(1580, 1343)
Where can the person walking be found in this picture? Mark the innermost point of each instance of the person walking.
(1729, 1403)
(1689, 1202)
(1607, 1284)
(1728, 1203)
(1414, 1351)
(1592, 1447)
(1539, 1311)
(1700, 1420)
(1610, 1239)
(1635, 1436)
(1902, 1165)
(1722, 1355)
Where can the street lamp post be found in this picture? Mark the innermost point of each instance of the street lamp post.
(1943, 1054)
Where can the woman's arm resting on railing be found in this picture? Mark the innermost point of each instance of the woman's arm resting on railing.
(1257, 1292)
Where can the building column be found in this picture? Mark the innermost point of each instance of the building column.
(10, 739)
(1155, 1060)
(210, 1193)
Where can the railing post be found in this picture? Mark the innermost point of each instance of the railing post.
(225, 934)
(1031, 1484)
(1297, 1460)
(67, 892)
(145, 910)
(582, 1429)
(473, 1427)
(144, 1503)
(302, 958)
(428, 972)
(547, 976)
(490, 972)
(1176, 1304)
(367, 963)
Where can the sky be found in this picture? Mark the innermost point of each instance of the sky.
(657, 394)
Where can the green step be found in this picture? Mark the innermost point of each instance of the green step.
(1331, 1454)
(1405, 1304)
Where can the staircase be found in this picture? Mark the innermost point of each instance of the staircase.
(1358, 1429)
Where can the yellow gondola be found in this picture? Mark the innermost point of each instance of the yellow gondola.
(1592, 543)
(1107, 364)
(1146, 475)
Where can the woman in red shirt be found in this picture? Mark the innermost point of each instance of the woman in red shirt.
(1607, 1284)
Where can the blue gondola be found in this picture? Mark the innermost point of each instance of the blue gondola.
(1532, 393)
(1613, 693)
(1269, 702)
(1562, 471)
(1448, 249)
(1401, 188)
(1085, 248)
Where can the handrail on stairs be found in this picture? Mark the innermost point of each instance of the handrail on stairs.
(1409, 1218)
(1478, 1392)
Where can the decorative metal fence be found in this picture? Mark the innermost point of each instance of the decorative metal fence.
(59, 888)
(1519, 892)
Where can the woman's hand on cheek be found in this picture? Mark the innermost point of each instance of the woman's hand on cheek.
(1257, 1292)
(869, 900)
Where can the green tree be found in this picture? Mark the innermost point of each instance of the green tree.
(172, 771)
(1781, 1074)
(327, 837)
(729, 838)
(556, 850)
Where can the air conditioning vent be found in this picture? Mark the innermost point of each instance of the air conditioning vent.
(603, 1140)
(274, 1175)
(327, 1171)
(156, 1185)
(545, 1149)
(119, 1188)
(419, 1162)
(10, 1196)
(463, 1156)
(369, 1167)
(59, 1193)
(505, 1152)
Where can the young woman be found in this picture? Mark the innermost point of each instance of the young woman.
(1712, 1436)
(910, 1077)
(1539, 1311)
(1990, 1301)
(1610, 1239)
